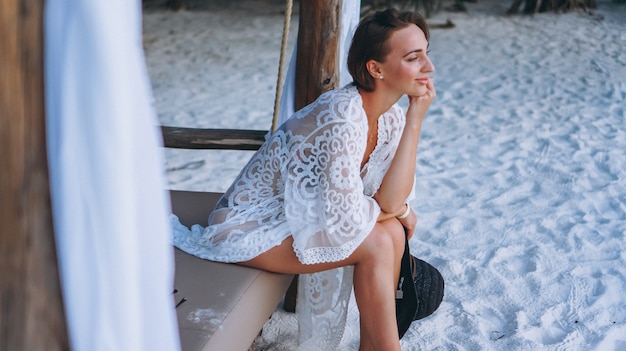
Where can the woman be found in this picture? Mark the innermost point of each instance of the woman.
(326, 195)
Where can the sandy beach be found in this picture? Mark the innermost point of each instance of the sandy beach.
(521, 174)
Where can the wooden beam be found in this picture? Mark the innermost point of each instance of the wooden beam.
(31, 308)
(215, 139)
(317, 64)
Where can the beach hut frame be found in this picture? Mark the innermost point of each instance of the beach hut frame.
(31, 307)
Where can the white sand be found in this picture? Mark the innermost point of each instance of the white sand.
(521, 169)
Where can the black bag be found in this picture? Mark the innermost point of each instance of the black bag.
(419, 292)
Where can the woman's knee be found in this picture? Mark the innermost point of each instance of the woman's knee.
(397, 234)
(386, 239)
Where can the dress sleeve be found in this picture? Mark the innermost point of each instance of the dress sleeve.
(325, 207)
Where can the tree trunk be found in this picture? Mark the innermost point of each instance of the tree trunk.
(31, 308)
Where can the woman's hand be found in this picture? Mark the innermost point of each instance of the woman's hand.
(418, 105)
(409, 223)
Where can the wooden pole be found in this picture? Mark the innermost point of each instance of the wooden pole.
(317, 68)
(31, 308)
(317, 65)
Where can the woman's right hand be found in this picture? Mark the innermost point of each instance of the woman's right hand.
(418, 105)
(409, 223)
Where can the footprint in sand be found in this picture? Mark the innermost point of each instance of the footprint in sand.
(615, 339)
(515, 261)
(559, 324)
(552, 329)
(491, 323)
(463, 272)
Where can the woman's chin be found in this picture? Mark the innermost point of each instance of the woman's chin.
(420, 91)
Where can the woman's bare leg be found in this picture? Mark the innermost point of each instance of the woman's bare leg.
(376, 268)
(375, 279)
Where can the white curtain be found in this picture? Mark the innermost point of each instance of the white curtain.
(107, 179)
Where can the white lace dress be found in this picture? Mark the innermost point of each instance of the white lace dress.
(306, 181)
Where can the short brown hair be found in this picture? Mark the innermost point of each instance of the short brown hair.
(370, 41)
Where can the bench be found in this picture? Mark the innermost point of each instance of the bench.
(220, 306)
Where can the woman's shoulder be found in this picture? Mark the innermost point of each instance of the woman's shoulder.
(346, 102)
(348, 92)
(342, 105)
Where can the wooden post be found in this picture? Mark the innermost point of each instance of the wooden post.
(31, 308)
(317, 65)
(317, 68)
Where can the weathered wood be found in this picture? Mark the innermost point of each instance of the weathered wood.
(317, 69)
(215, 139)
(31, 308)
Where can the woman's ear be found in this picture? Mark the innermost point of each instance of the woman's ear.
(374, 69)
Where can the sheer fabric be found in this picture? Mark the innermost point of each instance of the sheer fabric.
(306, 182)
(107, 180)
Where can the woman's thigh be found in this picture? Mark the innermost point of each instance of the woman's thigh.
(282, 258)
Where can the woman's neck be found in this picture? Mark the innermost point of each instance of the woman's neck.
(375, 103)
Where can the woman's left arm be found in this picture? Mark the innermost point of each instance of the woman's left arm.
(398, 181)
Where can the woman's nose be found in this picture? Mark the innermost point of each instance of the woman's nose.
(428, 65)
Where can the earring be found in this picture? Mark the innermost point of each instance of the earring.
(380, 76)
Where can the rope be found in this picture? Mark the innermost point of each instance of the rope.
(283, 49)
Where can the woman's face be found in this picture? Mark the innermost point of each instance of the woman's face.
(407, 65)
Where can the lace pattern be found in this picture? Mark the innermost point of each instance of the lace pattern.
(306, 181)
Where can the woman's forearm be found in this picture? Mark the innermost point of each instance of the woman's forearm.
(383, 216)
(398, 181)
